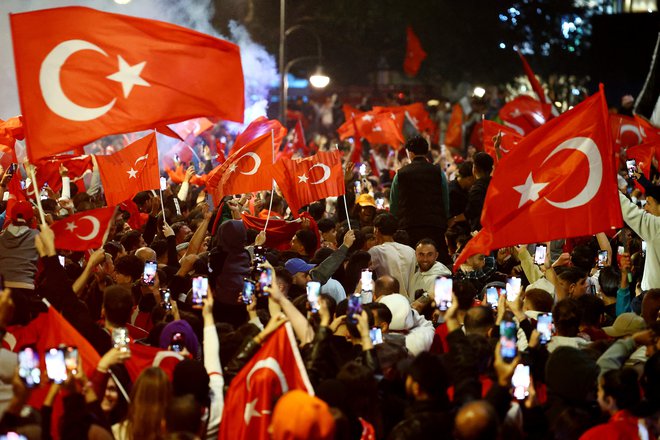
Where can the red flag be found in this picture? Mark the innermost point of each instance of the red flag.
(417, 114)
(306, 180)
(48, 170)
(246, 170)
(10, 130)
(16, 193)
(626, 130)
(299, 139)
(83, 231)
(258, 128)
(78, 80)
(414, 53)
(454, 133)
(167, 131)
(356, 152)
(275, 369)
(524, 114)
(509, 140)
(643, 155)
(349, 111)
(129, 171)
(135, 219)
(386, 129)
(536, 85)
(280, 232)
(145, 356)
(559, 182)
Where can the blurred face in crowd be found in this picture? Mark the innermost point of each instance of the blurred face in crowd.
(110, 397)
(652, 206)
(109, 265)
(477, 261)
(465, 182)
(574, 290)
(367, 214)
(120, 278)
(297, 246)
(300, 279)
(330, 236)
(180, 235)
(426, 255)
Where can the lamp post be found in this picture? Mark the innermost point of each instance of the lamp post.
(318, 79)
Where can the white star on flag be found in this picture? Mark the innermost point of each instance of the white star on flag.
(377, 128)
(529, 190)
(132, 173)
(250, 411)
(367, 118)
(232, 168)
(303, 179)
(393, 116)
(129, 76)
(71, 226)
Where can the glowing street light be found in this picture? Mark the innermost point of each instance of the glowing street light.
(319, 79)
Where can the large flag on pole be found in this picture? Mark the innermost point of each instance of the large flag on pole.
(559, 182)
(415, 53)
(83, 74)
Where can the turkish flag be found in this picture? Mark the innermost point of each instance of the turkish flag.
(643, 155)
(10, 130)
(559, 182)
(454, 133)
(131, 170)
(274, 370)
(306, 180)
(83, 74)
(356, 152)
(386, 128)
(257, 129)
(626, 130)
(416, 113)
(415, 54)
(135, 218)
(524, 114)
(509, 140)
(16, 193)
(299, 139)
(145, 356)
(84, 230)
(247, 169)
(48, 170)
(280, 232)
(349, 111)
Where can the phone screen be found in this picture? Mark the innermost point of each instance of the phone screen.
(178, 342)
(602, 258)
(513, 286)
(539, 254)
(354, 307)
(367, 281)
(28, 367)
(149, 274)
(380, 203)
(55, 365)
(120, 338)
(492, 296)
(62, 260)
(643, 247)
(508, 338)
(166, 297)
(71, 359)
(631, 165)
(200, 287)
(248, 291)
(313, 292)
(363, 170)
(163, 184)
(520, 381)
(376, 335)
(358, 187)
(443, 288)
(265, 279)
(544, 327)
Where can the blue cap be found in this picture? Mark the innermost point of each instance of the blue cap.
(295, 265)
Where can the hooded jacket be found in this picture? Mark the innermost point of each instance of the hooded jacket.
(230, 261)
(18, 256)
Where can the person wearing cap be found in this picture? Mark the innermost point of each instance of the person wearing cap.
(367, 211)
(646, 223)
(392, 258)
(626, 324)
(299, 416)
(419, 198)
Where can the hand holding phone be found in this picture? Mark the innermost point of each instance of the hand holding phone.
(367, 281)
(55, 365)
(200, 286)
(166, 299)
(120, 338)
(631, 165)
(376, 335)
(539, 254)
(492, 297)
(508, 340)
(602, 259)
(28, 367)
(513, 288)
(248, 291)
(521, 381)
(149, 273)
(544, 327)
(443, 292)
(265, 280)
(313, 292)
(354, 308)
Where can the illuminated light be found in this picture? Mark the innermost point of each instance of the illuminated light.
(502, 46)
(319, 80)
(570, 107)
(575, 91)
(503, 17)
(122, 2)
(479, 92)
(557, 103)
(433, 102)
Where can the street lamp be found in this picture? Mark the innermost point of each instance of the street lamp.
(317, 80)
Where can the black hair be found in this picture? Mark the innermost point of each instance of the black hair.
(465, 293)
(479, 319)
(183, 415)
(131, 241)
(326, 225)
(571, 274)
(383, 312)
(584, 257)
(591, 309)
(566, 315)
(609, 279)
(429, 371)
(308, 240)
(483, 162)
(129, 265)
(386, 223)
(425, 241)
(317, 209)
(465, 169)
(417, 145)
(541, 300)
(401, 236)
(113, 248)
(622, 386)
(118, 305)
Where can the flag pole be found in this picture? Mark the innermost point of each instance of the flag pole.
(348, 220)
(272, 188)
(37, 195)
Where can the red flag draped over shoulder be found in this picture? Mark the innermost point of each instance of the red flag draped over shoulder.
(304, 181)
(248, 169)
(129, 171)
(274, 370)
(83, 74)
(559, 182)
(83, 231)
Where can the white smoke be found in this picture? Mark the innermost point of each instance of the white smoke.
(259, 67)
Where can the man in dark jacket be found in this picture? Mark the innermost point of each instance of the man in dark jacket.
(419, 198)
(482, 167)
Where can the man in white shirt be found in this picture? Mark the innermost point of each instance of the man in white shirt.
(391, 258)
(427, 268)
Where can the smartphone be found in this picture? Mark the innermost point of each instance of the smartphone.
(508, 339)
(367, 281)
(71, 359)
(55, 365)
(380, 203)
(376, 335)
(354, 308)
(149, 273)
(521, 382)
(265, 280)
(602, 259)
(443, 289)
(28, 367)
(12, 435)
(539, 254)
(178, 342)
(248, 291)
(544, 327)
(166, 296)
(358, 187)
(163, 184)
(492, 297)
(200, 286)
(313, 292)
(643, 248)
(631, 166)
(62, 259)
(513, 287)
(363, 170)
(120, 338)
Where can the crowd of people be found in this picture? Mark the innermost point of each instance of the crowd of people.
(554, 340)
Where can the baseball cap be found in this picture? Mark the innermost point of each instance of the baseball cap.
(625, 325)
(366, 200)
(295, 265)
(22, 210)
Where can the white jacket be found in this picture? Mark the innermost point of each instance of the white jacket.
(646, 226)
(426, 280)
